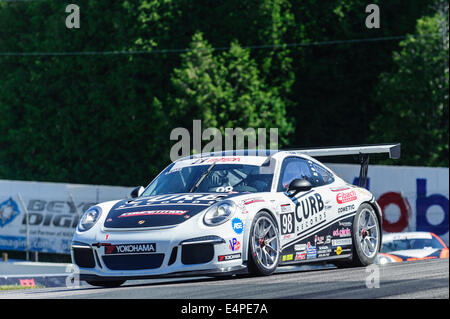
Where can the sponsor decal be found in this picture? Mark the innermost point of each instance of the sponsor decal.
(285, 207)
(130, 248)
(201, 199)
(310, 211)
(218, 160)
(229, 257)
(253, 200)
(287, 223)
(153, 212)
(345, 224)
(311, 251)
(141, 222)
(341, 242)
(338, 250)
(234, 244)
(323, 251)
(347, 208)
(8, 211)
(288, 257)
(345, 232)
(300, 247)
(318, 240)
(300, 256)
(345, 197)
(238, 225)
(339, 189)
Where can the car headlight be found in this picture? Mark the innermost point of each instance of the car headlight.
(382, 260)
(219, 213)
(89, 218)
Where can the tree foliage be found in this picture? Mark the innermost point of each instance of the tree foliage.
(101, 117)
(414, 98)
(225, 90)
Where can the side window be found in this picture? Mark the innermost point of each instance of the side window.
(323, 176)
(292, 168)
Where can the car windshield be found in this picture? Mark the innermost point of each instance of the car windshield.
(221, 178)
(406, 244)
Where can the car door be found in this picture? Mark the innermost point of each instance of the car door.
(304, 225)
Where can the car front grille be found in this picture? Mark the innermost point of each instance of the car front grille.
(133, 261)
(83, 257)
(197, 254)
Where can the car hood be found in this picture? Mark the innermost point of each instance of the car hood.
(160, 210)
(416, 253)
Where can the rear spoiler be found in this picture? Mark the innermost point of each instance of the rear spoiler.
(363, 151)
(392, 149)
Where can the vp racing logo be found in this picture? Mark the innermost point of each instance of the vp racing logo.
(8, 211)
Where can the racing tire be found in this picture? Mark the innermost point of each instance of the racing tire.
(264, 245)
(106, 284)
(366, 238)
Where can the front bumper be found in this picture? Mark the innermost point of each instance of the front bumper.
(178, 252)
(217, 272)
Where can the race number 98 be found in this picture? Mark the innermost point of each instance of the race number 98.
(287, 223)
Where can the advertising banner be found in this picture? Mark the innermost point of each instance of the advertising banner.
(412, 198)
(54, 210)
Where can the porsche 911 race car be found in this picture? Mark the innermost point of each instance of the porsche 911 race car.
(233, 212)
(409, 246)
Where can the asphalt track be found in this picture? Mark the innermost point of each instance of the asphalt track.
(406, 280)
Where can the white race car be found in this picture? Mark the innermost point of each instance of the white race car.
(233, 212)
(409, 246)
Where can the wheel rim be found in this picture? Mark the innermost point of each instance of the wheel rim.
(368, 233)
(265, 243)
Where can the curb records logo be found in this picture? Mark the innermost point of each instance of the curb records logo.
(8, 211)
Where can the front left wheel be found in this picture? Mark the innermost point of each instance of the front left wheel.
(264, 245)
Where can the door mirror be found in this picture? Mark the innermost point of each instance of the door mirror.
(298, 185)
(137, 192)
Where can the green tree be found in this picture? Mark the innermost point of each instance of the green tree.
(414, 99)
(225, 90)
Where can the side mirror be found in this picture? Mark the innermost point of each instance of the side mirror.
(137, 192)
(298, 185)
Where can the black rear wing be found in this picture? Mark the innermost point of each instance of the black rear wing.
(362, 150)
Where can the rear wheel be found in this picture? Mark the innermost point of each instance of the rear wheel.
(106, 284)
(264, 245)
(366, 238)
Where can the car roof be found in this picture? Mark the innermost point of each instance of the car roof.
(407, 235)
(263, 152)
